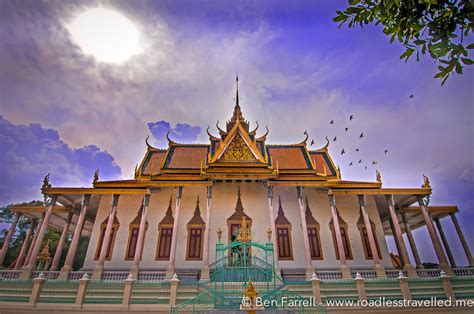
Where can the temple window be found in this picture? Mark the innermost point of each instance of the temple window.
(283, 230)
(165, 235)
(134, 229)
(196, 228)
(113, 233)
(313, 234)
(365, 238)
(345, 238)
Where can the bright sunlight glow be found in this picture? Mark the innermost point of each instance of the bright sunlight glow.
(105, 34)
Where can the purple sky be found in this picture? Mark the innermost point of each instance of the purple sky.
(65, 113)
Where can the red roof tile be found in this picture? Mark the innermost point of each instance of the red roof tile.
(288, 157)
(186, 157)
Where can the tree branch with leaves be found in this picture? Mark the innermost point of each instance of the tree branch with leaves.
(437, 28)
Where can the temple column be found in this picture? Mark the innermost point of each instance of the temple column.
(462, 239)
(62, 240)
(33, 242)
(141, 235)
(71, 253)
(434, 236)
(304, 227)
(402, 249)
(445, 242)
(41, 232)
(99, 268)
(174, 237)
(206, 244)
(271, 214)
(346, 272)
(379, 269)
(22, 256)
(411, 239)
(8, 238)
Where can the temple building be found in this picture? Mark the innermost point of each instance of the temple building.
(189, 199)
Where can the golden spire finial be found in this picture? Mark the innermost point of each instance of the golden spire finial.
(96, 177)
(426, 183)
(219, 234)
(244, 232)
(378, 176)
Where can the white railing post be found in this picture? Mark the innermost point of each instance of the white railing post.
(81, 291)
(404, 286)
(316, 284)
(360, 284)
(37, 285)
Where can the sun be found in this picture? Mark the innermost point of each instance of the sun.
(105, 34)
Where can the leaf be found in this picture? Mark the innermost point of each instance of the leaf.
(458, 68)
(407, 54)
(467, 61)
(470, 46)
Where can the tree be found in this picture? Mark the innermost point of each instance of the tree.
(438, 28)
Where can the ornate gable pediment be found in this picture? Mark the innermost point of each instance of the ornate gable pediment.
(237, 150)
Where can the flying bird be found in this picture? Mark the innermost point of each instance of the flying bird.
(335, 139)
(357, 149)
(332, 122)
(351, 117)
(386, 151)
(361, 135)
(411, 96)
(343, 152)
(365, 167)
(312, 143)
(350, 164)
(374, 162)
(360, 160)
(347, 129)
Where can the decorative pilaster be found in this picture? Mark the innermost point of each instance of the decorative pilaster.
(127, 291)
(99, 268)
(411, 239)
(62, 240)
(42, 230)
(304, 227)
(403, 281)
(346, 273)
(141, 235)
(26, 242)
(399, 237)
(174, 289)
(452, 262)
(174, 240)
(447, 286)
(467, 251)
(379, 269)
(316, 285)
(36, 290)
(360, 285)
(271, 214)
(206, 244)
(71, 253)
(8, 238)
(433, 235)
(81, 291)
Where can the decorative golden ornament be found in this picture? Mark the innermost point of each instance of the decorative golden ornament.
(244, 232)
(378, 177)
(426, 183)
(269, 234)
(238, 150)
(219, 234)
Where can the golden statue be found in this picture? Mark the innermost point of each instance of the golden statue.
(426, 183)
(244, 232)
(250, 295)
(378, 177)
(219, 234)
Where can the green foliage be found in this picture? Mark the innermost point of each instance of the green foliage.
(437, 28)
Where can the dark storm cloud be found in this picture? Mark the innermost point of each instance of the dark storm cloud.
(30, 151)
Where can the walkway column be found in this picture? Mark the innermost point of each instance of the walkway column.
(462, 239)
(271, 214)
(304, 227)
(434, 236)
(8, 238)
(26, 243)
(71, 253)
(399, 237)
(445, 242)
(141, 235)
(206, 244)
(99, 268)
(62, 240)
(379, 269)
(41, 232)
(174, 240)
(33, 242)
(346, 272)
(411, 239)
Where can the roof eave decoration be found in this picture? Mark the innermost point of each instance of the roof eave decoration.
(149, 146)
(211, 137)
(170, 141)
(254, 132)
(264, 136)
(304, 141)
(222, 133)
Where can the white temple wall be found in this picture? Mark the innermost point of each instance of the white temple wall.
(254, 198)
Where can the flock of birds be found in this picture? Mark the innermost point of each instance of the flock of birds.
(361, 136)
